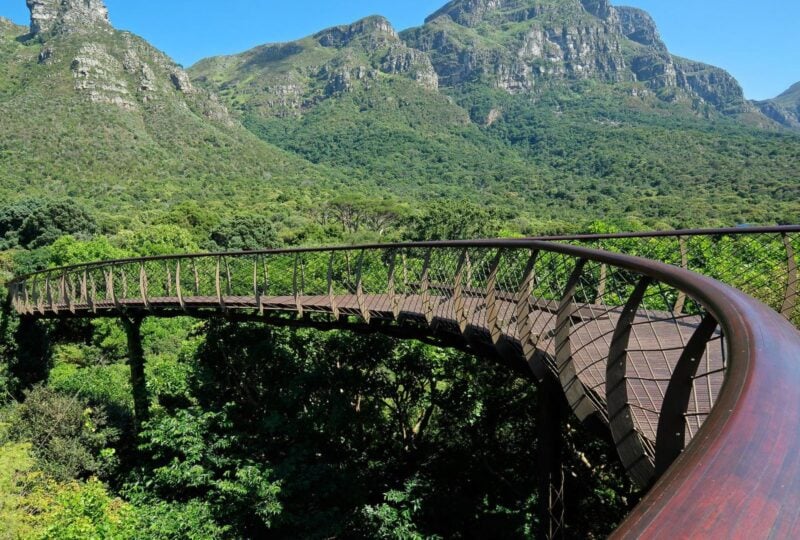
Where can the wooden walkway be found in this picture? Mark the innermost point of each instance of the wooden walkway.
(657, 340)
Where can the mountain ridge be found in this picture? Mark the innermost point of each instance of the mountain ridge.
(784, 108)
(99, 115)
(83, 103)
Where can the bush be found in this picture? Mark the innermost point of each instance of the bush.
(68, 437)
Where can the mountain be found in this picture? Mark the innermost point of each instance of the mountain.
(99, 114)
(784, 109)
(517, 45)
(543, 107)
(357, 98)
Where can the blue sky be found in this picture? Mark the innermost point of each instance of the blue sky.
(755, 40)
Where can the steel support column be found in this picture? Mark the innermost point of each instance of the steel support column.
(141, 401)
(550, 414)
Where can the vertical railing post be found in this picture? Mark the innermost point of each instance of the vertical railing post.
(143, 286)
(295, 289)
(84, 288)
(331, 292)
(71, 297)
(218, 285)
(394, 300)
(493, 322)
(49, 292)
(523, 310)
(92, 293)
(459, 300)
(110, 291)
(256, 288)
(681, 301)
(196, 277)
(790, 294)
(601, 285)
(572, 386)
(629, 444)
(178, 287)
(425, 287)
(671, 434)
(362, 305)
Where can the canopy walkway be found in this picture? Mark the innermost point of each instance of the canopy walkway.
(657, 355)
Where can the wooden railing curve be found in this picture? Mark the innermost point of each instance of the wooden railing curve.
(739, 475)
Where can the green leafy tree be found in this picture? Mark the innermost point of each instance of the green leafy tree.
(243, 233)
(53, 220)
(454, 220)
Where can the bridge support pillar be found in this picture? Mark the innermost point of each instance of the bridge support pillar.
(141, 401)
(550, 415)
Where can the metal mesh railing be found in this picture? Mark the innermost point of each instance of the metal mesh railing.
(611, 336)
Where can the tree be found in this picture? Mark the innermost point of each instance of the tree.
(67, 436)
(53, 220)
(157, 240)
(454, 220)
(244, 233)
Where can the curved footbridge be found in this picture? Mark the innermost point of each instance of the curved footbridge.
(697, 383)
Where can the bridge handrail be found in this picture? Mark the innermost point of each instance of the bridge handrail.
(452, 243)
(740, 475)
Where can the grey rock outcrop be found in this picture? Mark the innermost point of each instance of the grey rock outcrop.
(111, 67)
(784, 109)
(379, 29)
(566, 40)
(637, 25)
(67, 16)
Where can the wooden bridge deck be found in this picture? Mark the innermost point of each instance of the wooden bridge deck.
(657, 342)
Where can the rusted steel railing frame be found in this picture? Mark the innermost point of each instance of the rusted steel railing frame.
(719, 483)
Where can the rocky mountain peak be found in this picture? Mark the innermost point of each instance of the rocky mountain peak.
(637, 25)
(469, 12)
(599, 8)
(67, 16)
(784, 109)
(340, 36)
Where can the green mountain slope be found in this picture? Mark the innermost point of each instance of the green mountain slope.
(551, 108)
(784, 109)
(98, 114)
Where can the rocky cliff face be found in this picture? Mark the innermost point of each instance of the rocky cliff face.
(287, 79)
(784, 109)
(516, 45)
(64, 16)
(110, 67)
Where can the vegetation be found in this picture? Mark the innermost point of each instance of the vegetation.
(259, 431)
